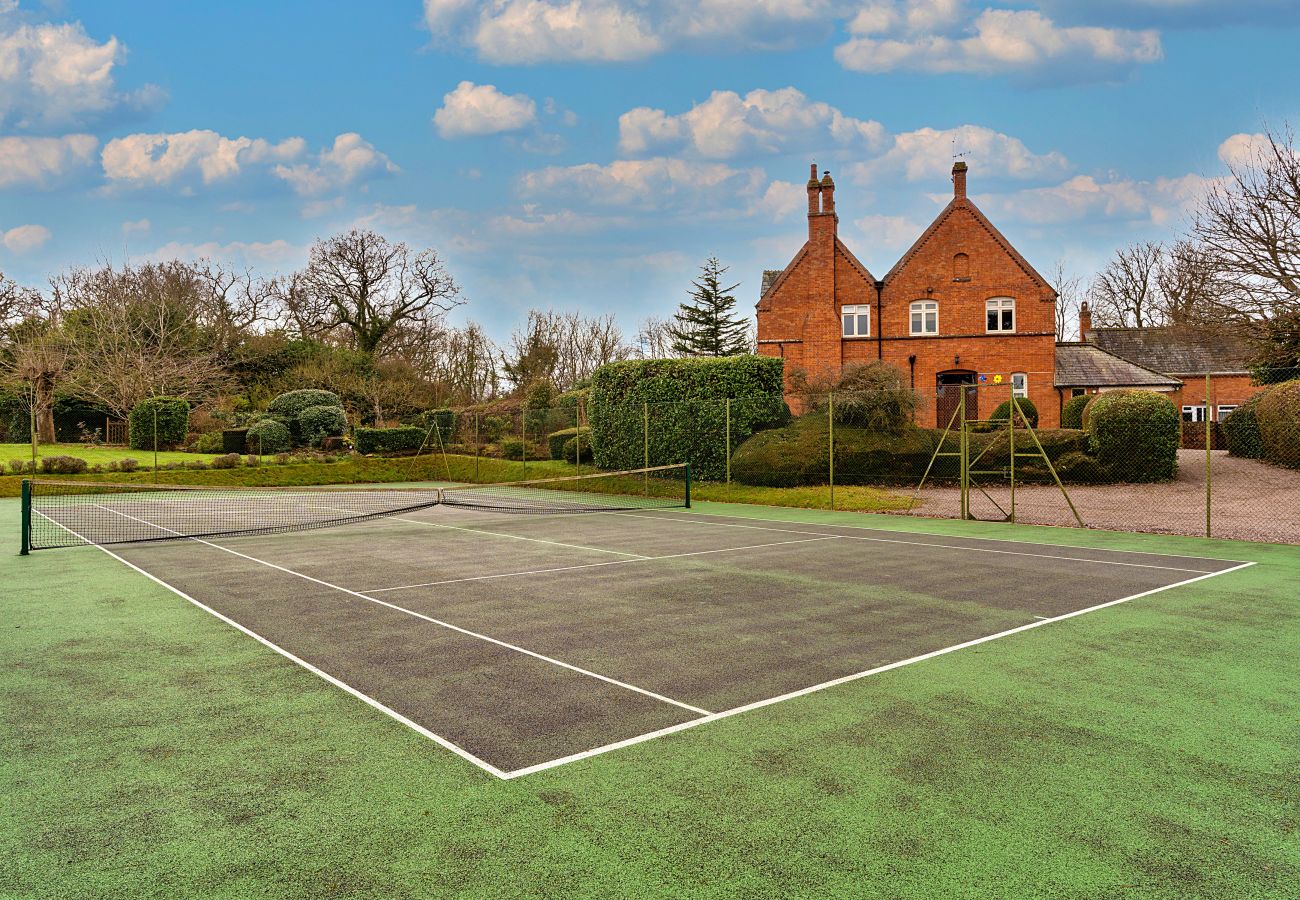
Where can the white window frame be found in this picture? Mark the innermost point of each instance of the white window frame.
(1194, 414)
(923, 308)
(999, 304)
(1020, 392)
(852, 328)
(1224, 408)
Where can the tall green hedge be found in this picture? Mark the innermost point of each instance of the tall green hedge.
(556, 440)
(290, 406)
(1279, 424)
(173, 422)
(1241, 429)
(390, 440)
(1134, 435)
(1072, 412)
(684, 401)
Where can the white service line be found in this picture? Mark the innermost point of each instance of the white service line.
(612, 562)
(878, 540)
(430, 619)
(713, 717)
(518, 537)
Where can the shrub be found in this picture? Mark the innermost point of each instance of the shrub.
(1027, 411)
(572, 398)
(874, 395)
(556, 440)
(251, 460)
(319, 422)
(1241, 430)
(63, 465)
(442, 419)
(493, 428)
(1072, 412)
(127, 464)
(173, 418)
(19, 466)
(1087, 407)
(208, 443)
(1278, 413)
(1134, 435)
(292, 404)
(269, 436)
(686, 401)
(577, 453)
(390, 440)
(1079, 468)
(228, 461)
(513, 448)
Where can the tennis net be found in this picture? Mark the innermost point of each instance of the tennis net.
(73, 513)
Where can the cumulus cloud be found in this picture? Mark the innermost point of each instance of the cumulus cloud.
(350, 160)
(57, 75)
(1244, 150)
(1159, 201)
(657, 183)
(139, 226)
(728, 125)
(478, 109)
(42, 161)
(272, 254)
(25, 238)
(944, 36)
(927, 153)
(888, 232)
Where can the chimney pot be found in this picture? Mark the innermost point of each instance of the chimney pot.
(1085, 320)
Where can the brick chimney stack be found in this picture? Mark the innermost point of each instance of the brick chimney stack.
(814, 192)
(828, 193)
(822, 219)
(959, 179)
(1085, 320)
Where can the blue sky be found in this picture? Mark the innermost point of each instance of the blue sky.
(592, 153)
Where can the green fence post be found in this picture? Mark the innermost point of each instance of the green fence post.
(27, 518)
(577, 436)
(477, 446)
(645, 435)
(963, 477)
(830, 432)
(32, 417)
(523, 438)
(1209, 432)
(728, 445)
(1011, 445)
(155, 443)
(688, 485)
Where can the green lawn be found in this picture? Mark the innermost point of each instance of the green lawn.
(1148, 749)
(95, 455)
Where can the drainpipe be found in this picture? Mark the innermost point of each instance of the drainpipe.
(911, 365)
(880, 330)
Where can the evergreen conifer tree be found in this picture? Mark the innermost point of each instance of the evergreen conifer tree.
(706, 325)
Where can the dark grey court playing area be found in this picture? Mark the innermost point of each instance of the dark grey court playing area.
(523, 641)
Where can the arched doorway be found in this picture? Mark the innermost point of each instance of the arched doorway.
(948, 388)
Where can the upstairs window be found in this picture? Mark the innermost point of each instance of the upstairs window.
(1000, 314)
(857, 321)
(925, 317)
(1019, 385)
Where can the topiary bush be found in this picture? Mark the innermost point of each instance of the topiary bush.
(405, 439)
(1241, 430)
(173, 423)
(556, 440)
(1134, 435)
(292, 404)
(1024, 405)
(685, 402)
(316, 423)
(269, 436)
(1278, 413)
(1072, 412)
(575, 452)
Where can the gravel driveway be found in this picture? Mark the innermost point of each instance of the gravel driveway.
(1251, 501)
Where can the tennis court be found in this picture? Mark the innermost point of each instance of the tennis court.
(522, 642)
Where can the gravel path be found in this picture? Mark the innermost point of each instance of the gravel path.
(1251, 501)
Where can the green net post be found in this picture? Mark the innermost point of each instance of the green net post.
(830, 442)
(27, 518)
(727, 446)
(688, 485)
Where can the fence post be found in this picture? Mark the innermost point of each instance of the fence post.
(523, 438)
(830, 449)
(32, 434)
(645, 435)
(963, 476)
(155, 443)
(1011, 445)
(27, 518)
(728, 444)
(477, 446)
(1209, 435)
(577, 437)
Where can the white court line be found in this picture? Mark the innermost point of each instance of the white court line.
(878, 540)
(365, 698)
(430, 619)
(612, 562)
(517, 537)
(713, 717)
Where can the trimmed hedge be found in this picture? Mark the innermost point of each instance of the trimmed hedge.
(1027, 411)
(293, 404)
(1241, 430)
(513, 448)
(1134, 435)
(389, 440)
(269, 436)
(1072, 412)
(686, 403)
(577, 453)
(173, 423)
(556, 440)
(319, 422)
(1278, 413)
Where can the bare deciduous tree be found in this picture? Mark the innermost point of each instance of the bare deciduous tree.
(1192, 290)
(1126, 292)
(654, 340)
(35, 366)
(1069, 295)
(565, 348)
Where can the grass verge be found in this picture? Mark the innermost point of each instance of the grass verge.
(96, 455)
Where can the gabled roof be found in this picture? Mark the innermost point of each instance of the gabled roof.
(964, 203)
(1177, 350)
(1087, 365)
(769, 278)
(772, 278)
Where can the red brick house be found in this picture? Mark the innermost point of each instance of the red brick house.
(963, 307)
(961, 304)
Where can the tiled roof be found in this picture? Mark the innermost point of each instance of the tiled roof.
(1176, 351)
(769, 278)
(1086, 365)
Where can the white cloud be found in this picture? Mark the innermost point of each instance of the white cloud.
(927, 153)
(729, 125)
(57, 75)
(147, 160)
(477, 109)
(656, 183)
(39, 161)
(139, 226)
(1160, 201)
(780, 200)
(887, 232)
(274, 254)
(25, 238)
(351, 159)
(531, 31)
(943, 36)
(1245, 150)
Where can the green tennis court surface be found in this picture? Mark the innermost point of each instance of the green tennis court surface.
(523, 642)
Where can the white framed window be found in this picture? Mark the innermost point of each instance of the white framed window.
(856, 321)
(1194, 413)
(925, 317)
(1000, 314)
(1224, 409)
(1019, 385)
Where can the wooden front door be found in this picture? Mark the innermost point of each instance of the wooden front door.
(948, 397)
